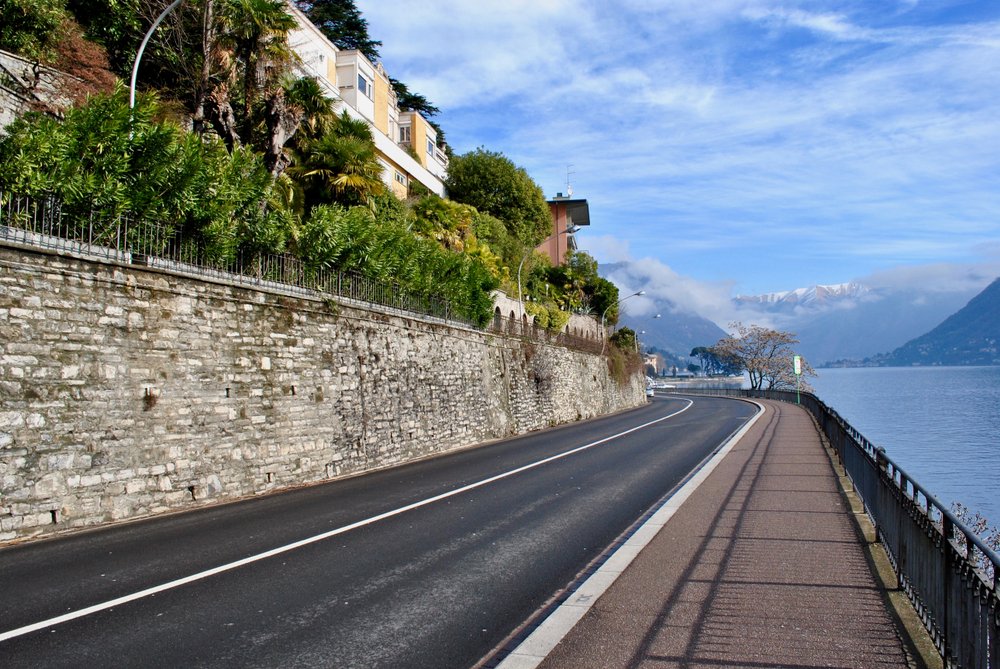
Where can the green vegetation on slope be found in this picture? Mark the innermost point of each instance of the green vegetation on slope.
(230, 149)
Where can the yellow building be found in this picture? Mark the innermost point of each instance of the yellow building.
(418, 134)
(364, 90)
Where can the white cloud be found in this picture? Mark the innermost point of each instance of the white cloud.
(835, 25)
(667, 291)
(605, 248)
(820, 139)
(936, 277)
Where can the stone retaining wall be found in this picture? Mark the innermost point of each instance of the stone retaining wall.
(127, 392)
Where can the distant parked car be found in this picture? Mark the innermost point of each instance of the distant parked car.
(650, 392)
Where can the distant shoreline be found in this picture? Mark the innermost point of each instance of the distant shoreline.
(857, 364)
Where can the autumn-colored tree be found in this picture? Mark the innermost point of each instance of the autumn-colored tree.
(765, 354)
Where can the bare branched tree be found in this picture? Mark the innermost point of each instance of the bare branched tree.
(765, 354)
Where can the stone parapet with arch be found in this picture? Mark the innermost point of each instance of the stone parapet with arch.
(508, 310)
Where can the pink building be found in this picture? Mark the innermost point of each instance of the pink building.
(568, 215)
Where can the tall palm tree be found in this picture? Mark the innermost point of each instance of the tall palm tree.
(319, 111)
(340, 165)
(257, 31)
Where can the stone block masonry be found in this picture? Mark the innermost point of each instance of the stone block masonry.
(127, 392)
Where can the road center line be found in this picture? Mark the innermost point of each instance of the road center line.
(118, 601)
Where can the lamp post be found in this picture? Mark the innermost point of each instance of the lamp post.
(604, 331)
(142, 47)
(520, 301)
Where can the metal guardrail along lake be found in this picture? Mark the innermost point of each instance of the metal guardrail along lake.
(950, 575)
(44, 223)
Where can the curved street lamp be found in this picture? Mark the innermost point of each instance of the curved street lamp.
(142, 47)
(604, 331)
(519, 299)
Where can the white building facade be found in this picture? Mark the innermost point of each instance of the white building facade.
(364, 90)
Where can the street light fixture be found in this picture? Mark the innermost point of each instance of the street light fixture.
(519, 298)
(604, 331)
(142, 47)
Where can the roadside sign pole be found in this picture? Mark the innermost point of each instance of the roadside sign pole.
(797, 368)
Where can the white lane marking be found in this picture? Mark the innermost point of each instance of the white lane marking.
(118, 601)
(530, 652)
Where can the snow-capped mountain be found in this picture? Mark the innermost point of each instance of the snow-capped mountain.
(851, 320)
(817, 296)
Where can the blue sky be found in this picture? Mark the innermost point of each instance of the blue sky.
(733, 146)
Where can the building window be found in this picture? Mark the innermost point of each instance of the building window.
(404, 134)
(364, 85)
(430, 147)
(400, 177)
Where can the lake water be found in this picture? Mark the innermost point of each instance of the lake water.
(939, 424)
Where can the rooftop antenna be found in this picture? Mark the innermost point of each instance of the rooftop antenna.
(569, 186)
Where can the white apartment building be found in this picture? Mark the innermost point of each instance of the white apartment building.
(363, 89)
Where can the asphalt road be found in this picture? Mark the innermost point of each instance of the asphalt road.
(427, 565)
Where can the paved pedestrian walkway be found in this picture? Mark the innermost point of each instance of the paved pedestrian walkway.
(761, 567)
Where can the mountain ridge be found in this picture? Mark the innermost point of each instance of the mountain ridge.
(970, 336)
(843, 323)
(812, 295)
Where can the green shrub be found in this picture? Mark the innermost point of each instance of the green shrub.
(354, 240)
(540, 312)
(557, 319)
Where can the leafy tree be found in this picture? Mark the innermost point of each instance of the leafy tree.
(342, 23)
(714, 361)
(256, 31)
(227, 62)
(233, 208)
(335, 237)
(318, 110)
(764, 353)
(447, 222)
(583, 288)
(492, 184)
(105, 160)
(603, 295)
(28, 27)
(625, 339)
(410, 101)
(491, 230)
(102, 156)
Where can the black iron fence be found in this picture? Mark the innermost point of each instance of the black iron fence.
(949, 573)
(44, 223)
